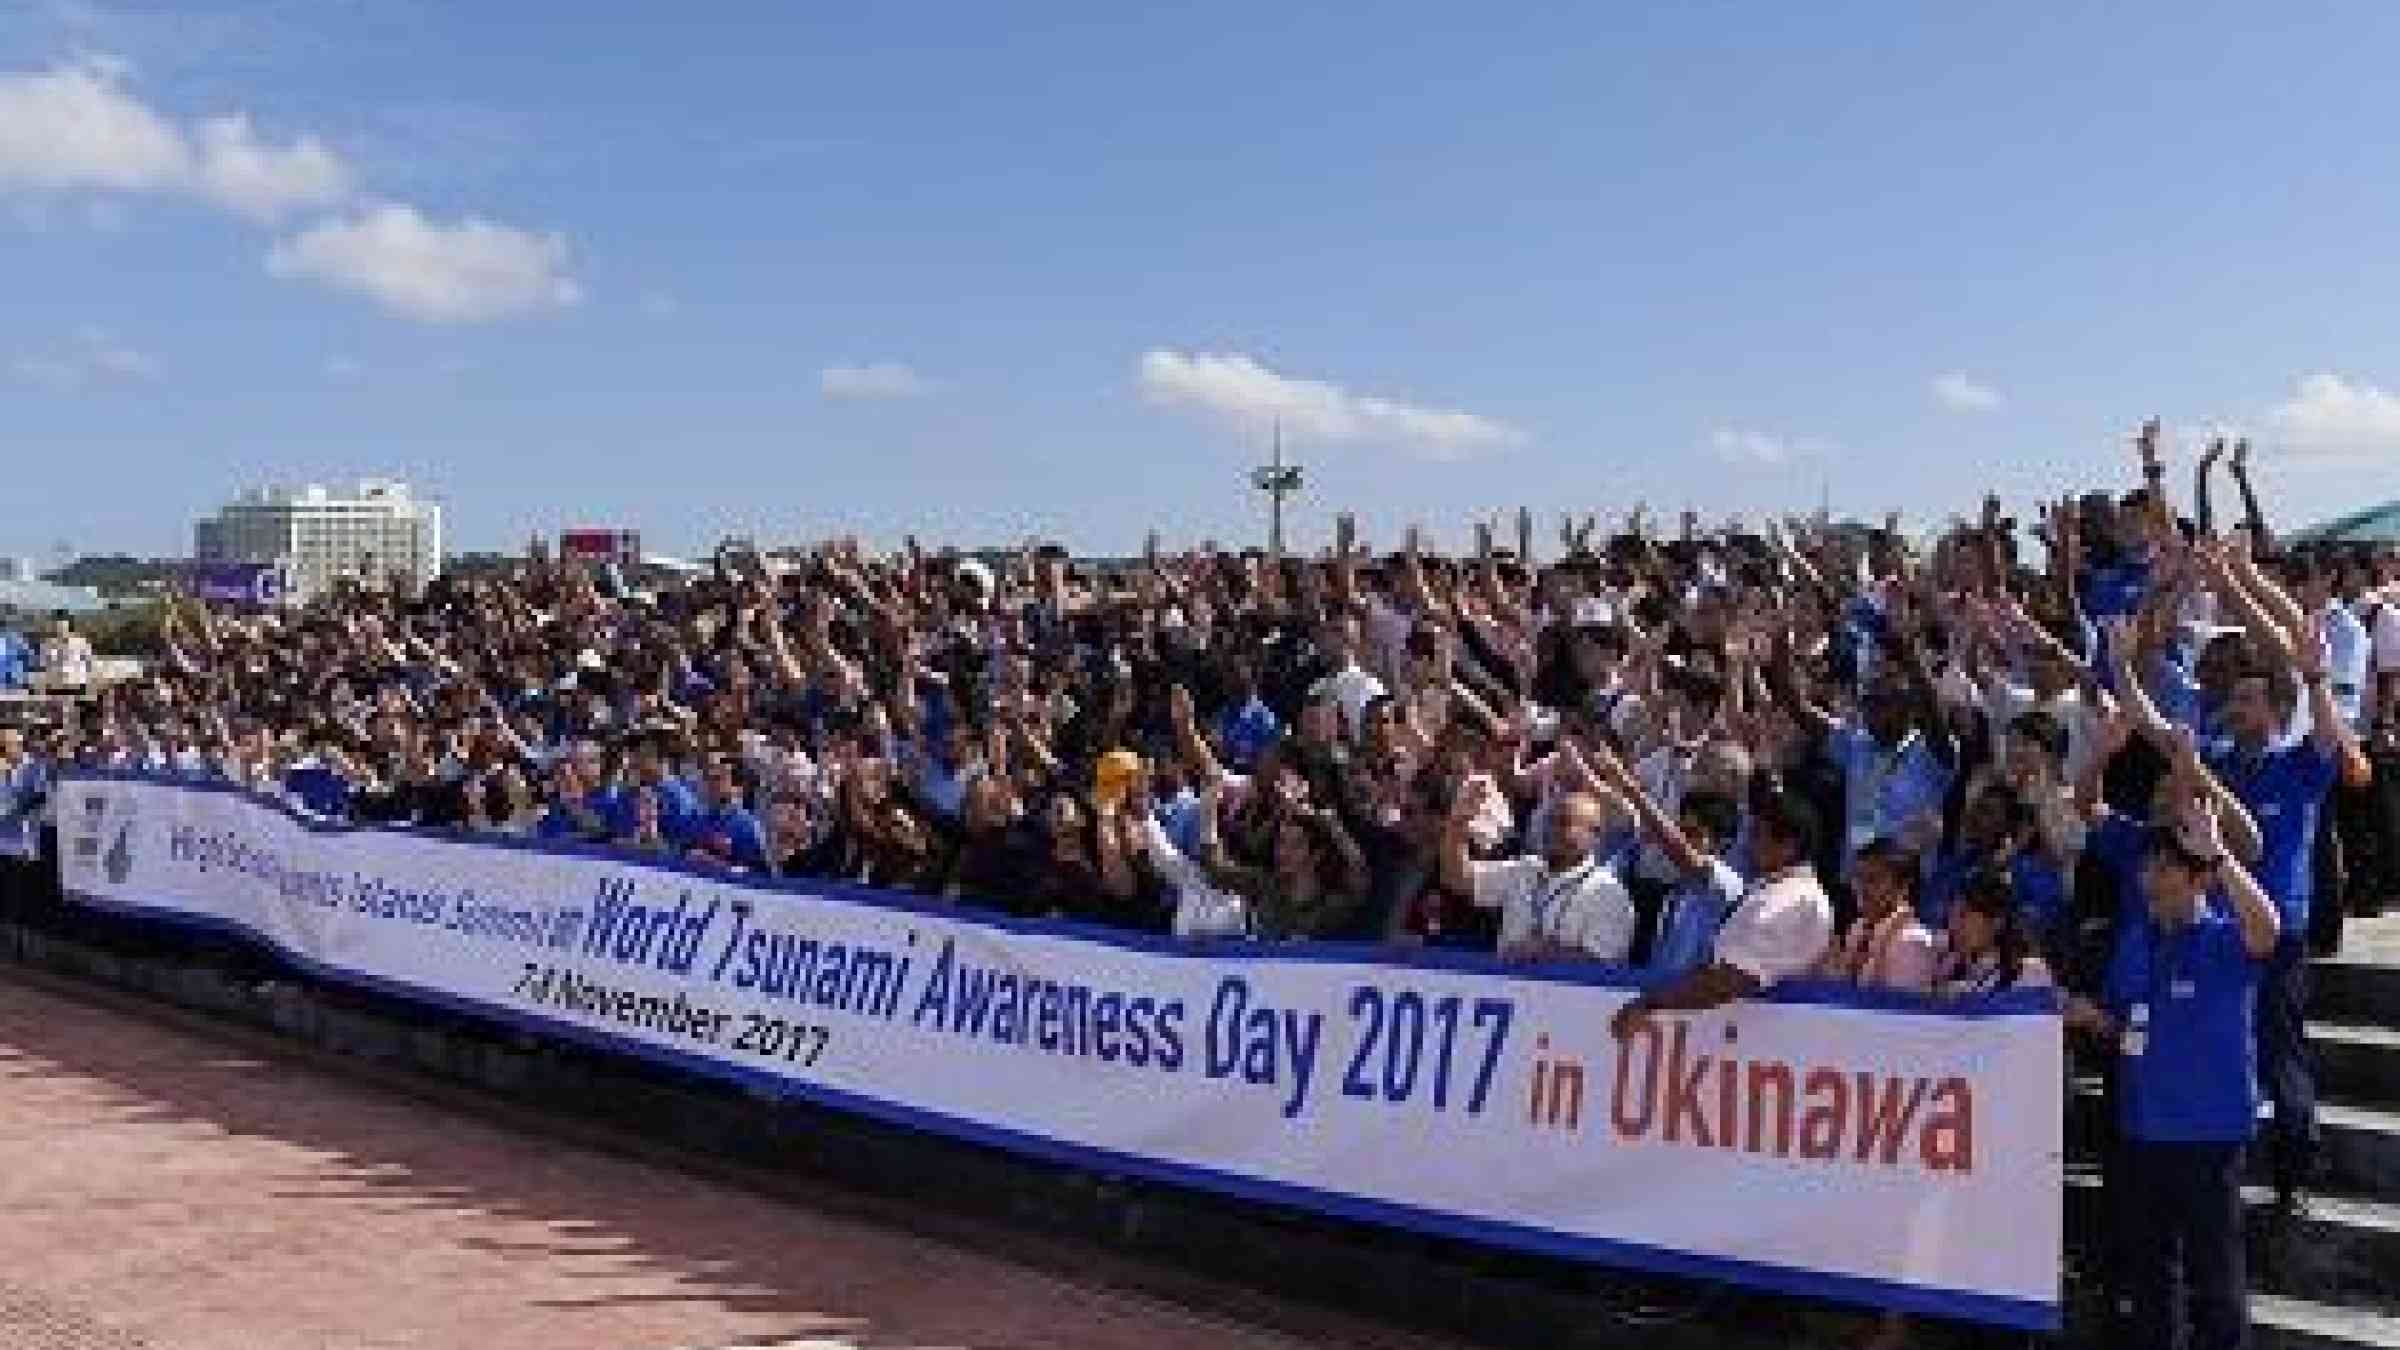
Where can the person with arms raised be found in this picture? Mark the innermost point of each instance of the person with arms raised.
(1779, 932)
(1693, 841)
(2284, 782)
(2180, 1003)
(1562, 903)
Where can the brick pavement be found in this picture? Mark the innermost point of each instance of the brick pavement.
(166, 1190)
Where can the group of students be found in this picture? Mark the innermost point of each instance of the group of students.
(2095, 753)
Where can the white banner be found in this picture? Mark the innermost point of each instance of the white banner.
(1894, 1155)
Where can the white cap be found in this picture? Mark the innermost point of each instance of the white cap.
(1592, 609)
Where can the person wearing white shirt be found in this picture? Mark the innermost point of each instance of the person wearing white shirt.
(1202, 907)
(1562, 903)
(1779, 932)
(1351, 685)
(67, 656)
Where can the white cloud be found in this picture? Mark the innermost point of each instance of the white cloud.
(75, 127)
(92, 358)
(2328, 417)
(881, 379)
(1237, 386)
(1960, 394)
(1770, 450)
(1741, 446)
(468, 272)
(261, 181)
(45, 372)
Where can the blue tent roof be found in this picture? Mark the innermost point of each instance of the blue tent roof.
(43, 597)
(2375, 525)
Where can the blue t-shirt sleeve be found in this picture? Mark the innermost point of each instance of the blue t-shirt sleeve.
(2315, 769)
(749, 841)
(2041, 892)
(2117, 840)
(2217, 944)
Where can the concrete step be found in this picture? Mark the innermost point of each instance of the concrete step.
(2281, 1323)
(2357, 1062)
(2361, 1143)
(2362, 1150)
(2362, 985)
(2365, 992)
(2346, 1251)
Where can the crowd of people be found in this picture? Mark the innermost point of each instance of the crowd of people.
(2118, 747)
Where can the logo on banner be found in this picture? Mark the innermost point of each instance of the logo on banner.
(87, 846)
(119, 862)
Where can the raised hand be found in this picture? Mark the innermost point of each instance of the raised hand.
(2241, 457)
(2183, 757)
(2196, 820)
(2214, 452)
(1603, 764)
(2311, 641)
(2124, 638)
(1471, 799)
(2146, 441)
(2114, 730)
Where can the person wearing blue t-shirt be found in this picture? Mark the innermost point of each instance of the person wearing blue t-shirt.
(725, 830)
(2180, 1003)
(1706, 888)
(2284, 784)
(678, 804)
(578, 812)
(16, 659)
(320, 783)
(1248, 726)
(1897, 757)
(1997, 827)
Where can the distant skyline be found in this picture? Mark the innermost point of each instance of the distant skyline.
(980, 272)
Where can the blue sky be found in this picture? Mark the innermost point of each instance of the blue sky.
(987, 270)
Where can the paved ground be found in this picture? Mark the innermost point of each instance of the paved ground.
(164, 1189)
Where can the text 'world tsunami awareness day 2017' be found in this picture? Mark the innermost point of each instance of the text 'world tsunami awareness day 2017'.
(1400, 1046)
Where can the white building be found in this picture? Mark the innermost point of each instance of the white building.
(374, 533)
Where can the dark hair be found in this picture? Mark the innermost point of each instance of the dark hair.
(1717, 813)
(2013, 805)
(1704, 687)
(1789, 816)
(2043, 728)
(2164, 841)
(1991, 891)
(1608, 636)
(2282, 689)
(1890, 852)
